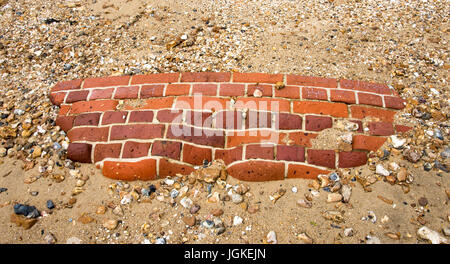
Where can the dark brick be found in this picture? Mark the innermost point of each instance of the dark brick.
(113, 117)
(91, 119)
(324, 158)
(352, 159)
(318, 123)
(141, 116)
(133, 149)
(138, 131)
(80, 152)
(263, 151)
(76, 96)
(168, 149)
(103, 151)
(195, 156)
(288, 121)
(291, 153)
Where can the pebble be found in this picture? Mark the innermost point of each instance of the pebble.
(271, 237)
(304, 203)
(236, 198)
(348, 232)
(346, 192)
(50, 239)
(431, 235)
(402, 174)
(101, 210)
(305, 238)
(381, 170)
(253, 209)
(423, 201)
(189, 220)
(334, 197)
(118, 211)
(110, 224)
(372, 240)
(22, 221)
(186, 202)
(397, 142)
(26, 210)
(294, 189)
(208, 224)
(217, 212)
(237, 220)
(194, 209)
(50, 204)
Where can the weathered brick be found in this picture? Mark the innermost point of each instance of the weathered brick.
(170, 115)
(257, 119)
(402, 129)
(229, 155)
(360, 125)
(288, 92)
(67, 85)
(318, 123)
(137, 131)
(133, 149)
(197, 118)
(361, 142)
(381, 128)
(155, 78)
(65, 122)
(352, 159)
(106, 81)
(362, 112)
(298, 138)
(342, 96)
(90, 119)
(57, 98)
(229, 120)
(155, 90)
(365, 86)
(169, 149)
(101, 94)
(168, 168)
(103, 151)
(314, 93)
(127, 92)
(257, 77)
(288, 121)
(304, 171)
(207, 137)
(201, 103)
(291, 153)
(232, 89)
(324, 158)
(195, 155)
(266, 90)
(205, 76)
(264, 104)
(143, 170)
(153, 103)
(394, 102)
(178, 89)
(141, 116)
(76, 96)
(80, 152)
(92, 134)
(114, 117)
(261, 151)
(370, 99)
(321, 108)
(256, 170)
(64, 109)
(205, 89)
(256, 136)
(311, 81)
(93, 106)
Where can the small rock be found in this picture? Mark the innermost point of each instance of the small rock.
(110, 224)
(346, 192)
(189, 220)
(402, 174)
(294, 189)
(348, 232)
(431, 235)
(118, 211)
(271, 238)
(257, 93)
(252, 209)
(334, 197)
(412, 155)
(217, 212)
(381, 170)
(305, 238)
(208, 224)
(194, 209)
(101, 210)
(50, 204)
(85, 219)
(50, 239)
(304, 203)
(236, 198)
(186, 202)
(372, 240)
(397, 142)
(22, 221)
(446, 231)
(423, 201)
(237, 220)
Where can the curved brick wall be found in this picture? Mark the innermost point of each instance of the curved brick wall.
(151, 126)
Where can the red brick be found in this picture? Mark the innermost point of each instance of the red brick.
(370, 99)
(141, 116)
(101, 94)
(288, 92)
(103, 151)
(361, 142)
(318, 123)
(402, 129)
(365, 86)
(155, 78)
(324, 158)
(311, 81)
(304, 171)
(67, 85)
(106, 81)
(291, 153)
(168, 168)
(205, 89)
(229, 155)
(314, 93)
(299, 138)
(114, 117)
(153, 103)
(93, 106)
(197, 118)
(169, 149)
(342, 96)
(133, 149)
(201, 103)
(266, 90)
(288, 121)
(232, 89)
(256, 170)
(79, 152)
(352, 159)
(362, 112)
(258, 119)
(148, 91)
(206, 137)
(205, 77)
(394, 102)
(195, 155)
(138, 131)
(257, 77)
(229, 120)
(64, 109)
(169, 116)
(57, 98)
(360, 125)
(127, 92)
(65, 122)
(265, 104)
(93, 134)
(90, 119)
(178, 89)
(322, 108)
(76, 96)
(143, 170)
(262, 151)
(381, 128)
(256, 136)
